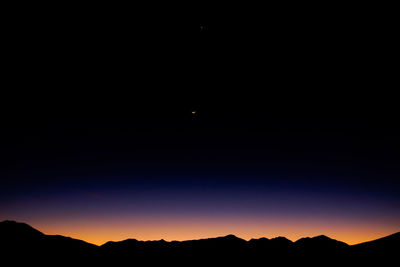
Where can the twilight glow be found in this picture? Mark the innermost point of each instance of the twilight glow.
(175, 175)
(201, 210)
(271, 133)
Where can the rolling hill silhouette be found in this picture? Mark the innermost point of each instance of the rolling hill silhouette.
(21, 244)
(20, 239)
(17, 235)
(391, 241)
(319, 242)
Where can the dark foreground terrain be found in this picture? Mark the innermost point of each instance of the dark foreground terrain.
(23, 244)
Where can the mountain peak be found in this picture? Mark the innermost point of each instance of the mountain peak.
(17, 239)
(282, 241)
(259, 239)
(14, 230)
(318, 241)
(7, 223)
(230, 236)
(321, 237)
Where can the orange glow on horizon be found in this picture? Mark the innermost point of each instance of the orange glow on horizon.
(100, 231)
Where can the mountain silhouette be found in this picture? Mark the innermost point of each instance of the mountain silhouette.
(23, 244)
(317, 242)
(20, 234)
(391, 241)
(13, 231)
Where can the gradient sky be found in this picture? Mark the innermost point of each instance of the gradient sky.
(189, 177)
(91, 158)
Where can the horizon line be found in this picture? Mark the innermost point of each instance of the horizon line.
(204, 238)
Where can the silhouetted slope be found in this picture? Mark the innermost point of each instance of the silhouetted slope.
(133, 244)
(21, 244)
(319, 242)
(232, 241)
(281, 242)
(274, 243)
(391, 241)
(67, 242)
(229, 241)
(11, 231)
(20, 234)
(219, 244)
(380, 252)
(24, 244)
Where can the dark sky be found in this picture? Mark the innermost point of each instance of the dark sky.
(294, 131)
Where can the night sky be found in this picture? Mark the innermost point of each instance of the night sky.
(203, 125)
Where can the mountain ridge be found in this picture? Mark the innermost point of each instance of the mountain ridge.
(14, 232)
(26, 228)
(22, 244)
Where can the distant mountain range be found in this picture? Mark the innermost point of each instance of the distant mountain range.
(24, 243)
